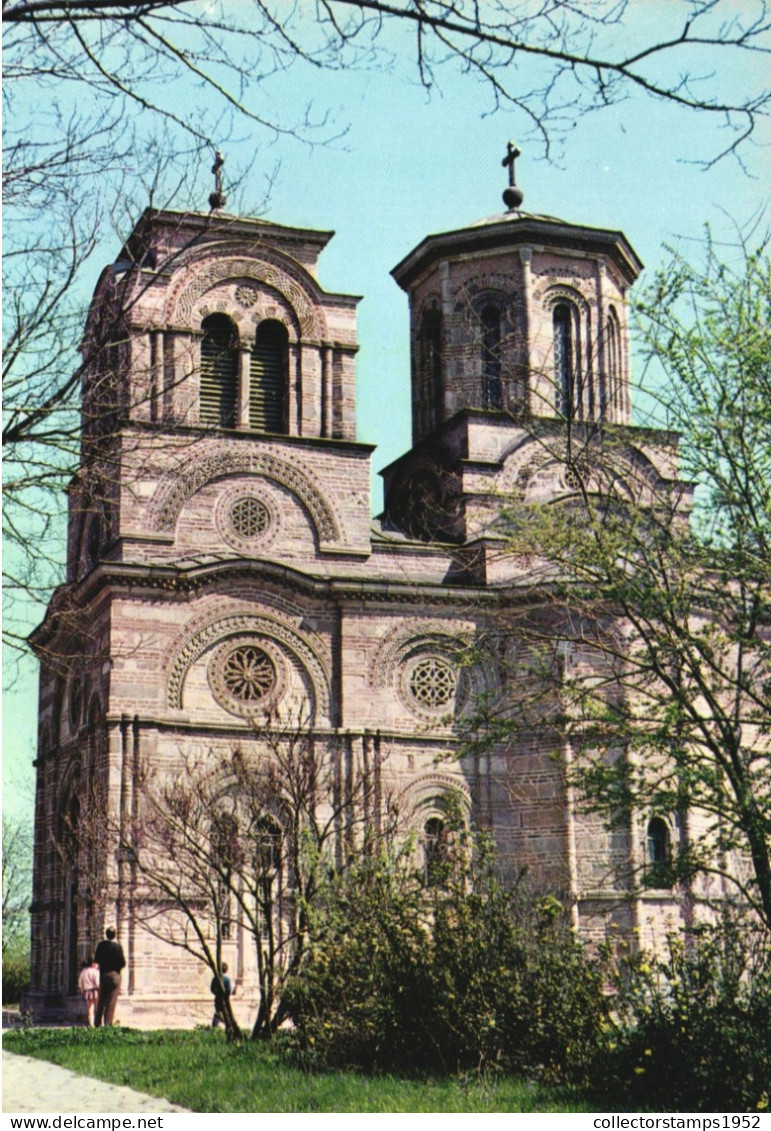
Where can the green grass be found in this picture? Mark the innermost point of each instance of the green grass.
(201, 1071)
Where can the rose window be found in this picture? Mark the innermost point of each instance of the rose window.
(248, 674)
(432, 683)
(249, 517)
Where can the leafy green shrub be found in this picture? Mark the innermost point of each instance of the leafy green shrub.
(15, 975)
(692, 1028)
(462, 974)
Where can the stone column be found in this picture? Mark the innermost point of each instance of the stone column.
(326, 389)
(181, 376)
(156, 374)
(298, 392)
(344, 391)
(448, 399)
(139, 378)
(526, 259)
(243, 384)
(602, 361)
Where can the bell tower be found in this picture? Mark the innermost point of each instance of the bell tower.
(519, 345)
(521, 314)
(218, 454)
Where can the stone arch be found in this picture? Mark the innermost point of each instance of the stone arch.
(196, 279)
(535, 456)
(422, 797)
(177, 487)
(446, 638)
(479, 293)
(218, 629)
(563, 292)
(247, 306)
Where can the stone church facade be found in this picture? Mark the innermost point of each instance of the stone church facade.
(222, 565)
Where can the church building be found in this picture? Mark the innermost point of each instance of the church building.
(223, 568)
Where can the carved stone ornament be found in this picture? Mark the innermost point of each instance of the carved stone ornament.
(247, 519)
(247, 676)
(247, 296)
(195, 283)
(177, 487)
(429, 683)
(253, 630)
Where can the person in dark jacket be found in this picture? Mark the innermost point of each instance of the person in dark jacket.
(110, 959)
(222, 988)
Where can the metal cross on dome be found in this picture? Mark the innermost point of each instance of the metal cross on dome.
(513, 195)
(217, 199)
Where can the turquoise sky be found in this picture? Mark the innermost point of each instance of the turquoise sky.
(413, 162)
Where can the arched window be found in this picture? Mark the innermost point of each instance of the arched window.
(268, 862)
(267, 841)
(95, 539)
(610, 396)
(219, 371)
(565, 325)
(268, 378)
(429, 408)
(492, 388)
(435, 855)
(226, 853)
(659, 852)
(658, 841)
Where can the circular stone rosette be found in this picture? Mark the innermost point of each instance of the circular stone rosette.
(246, 519)
(429, 683)
(246, 676)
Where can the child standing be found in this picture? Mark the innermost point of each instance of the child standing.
(88, 984)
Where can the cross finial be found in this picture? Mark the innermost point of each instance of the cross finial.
(217, 199)
(513, 195)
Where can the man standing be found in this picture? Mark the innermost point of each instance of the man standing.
(222, 988)
(110, 958)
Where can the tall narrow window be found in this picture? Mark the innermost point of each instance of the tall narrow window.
(268, 861)
(435, 854)
(430, 404)
(658, 841)
(492, 389)
(219, 371)
(564, 359)
(612, 398)
(268, 378)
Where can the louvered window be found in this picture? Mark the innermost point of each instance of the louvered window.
(219, 371)
(268, 378)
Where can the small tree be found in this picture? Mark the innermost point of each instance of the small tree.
(17, 881)
(17, 895)
(651, 648)
(242, 843)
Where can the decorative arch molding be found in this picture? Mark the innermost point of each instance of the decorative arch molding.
(423, 795)
(444, 637)
(497, 290)
(631, 469)
(220, 628)
(177, 487)
(247, 307)
(500, 286)
(561, 292)
(197, 280)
